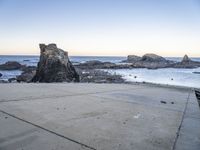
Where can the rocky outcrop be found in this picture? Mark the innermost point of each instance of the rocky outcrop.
(186, 63)
(54, 66)
(152, 58)
(98, 76)
(11, 65)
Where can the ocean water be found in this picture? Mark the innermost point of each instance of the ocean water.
(170, 76)
(167, 76)
(33, 60)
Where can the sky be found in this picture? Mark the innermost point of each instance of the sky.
(101, 27)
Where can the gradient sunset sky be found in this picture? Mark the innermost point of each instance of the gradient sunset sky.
(101, 27)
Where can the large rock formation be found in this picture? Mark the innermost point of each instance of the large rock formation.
(152, 61)
(11, 65)
(54, 66)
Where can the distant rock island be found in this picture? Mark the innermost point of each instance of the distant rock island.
(149, 61)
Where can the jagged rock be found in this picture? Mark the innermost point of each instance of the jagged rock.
(186, 59)
(11, 65)
(187, 63)
(54, 66)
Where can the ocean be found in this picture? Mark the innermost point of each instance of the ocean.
(170, 76)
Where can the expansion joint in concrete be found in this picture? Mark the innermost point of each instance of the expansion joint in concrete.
(179, 128)
(52, 132)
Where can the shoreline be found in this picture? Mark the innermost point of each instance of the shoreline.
(175, 87)
(97, 71)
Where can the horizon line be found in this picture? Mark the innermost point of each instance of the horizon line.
(98, 55)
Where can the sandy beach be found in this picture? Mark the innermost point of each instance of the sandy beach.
(98, 116)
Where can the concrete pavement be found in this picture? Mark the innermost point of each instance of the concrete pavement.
(98, 116)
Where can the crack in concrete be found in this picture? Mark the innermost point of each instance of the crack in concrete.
(183, 116)
(52, 132)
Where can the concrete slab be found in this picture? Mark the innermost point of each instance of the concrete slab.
(107, 116)
(15, 92)
(101, 124)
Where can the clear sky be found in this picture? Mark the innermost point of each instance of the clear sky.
(101, 27)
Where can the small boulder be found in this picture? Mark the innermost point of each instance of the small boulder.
(11, 65)
(133, 58)
(54, 66)
(1, 74)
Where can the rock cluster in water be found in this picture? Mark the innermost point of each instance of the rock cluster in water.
(54, 66)
(11, 65)
(153, 61)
